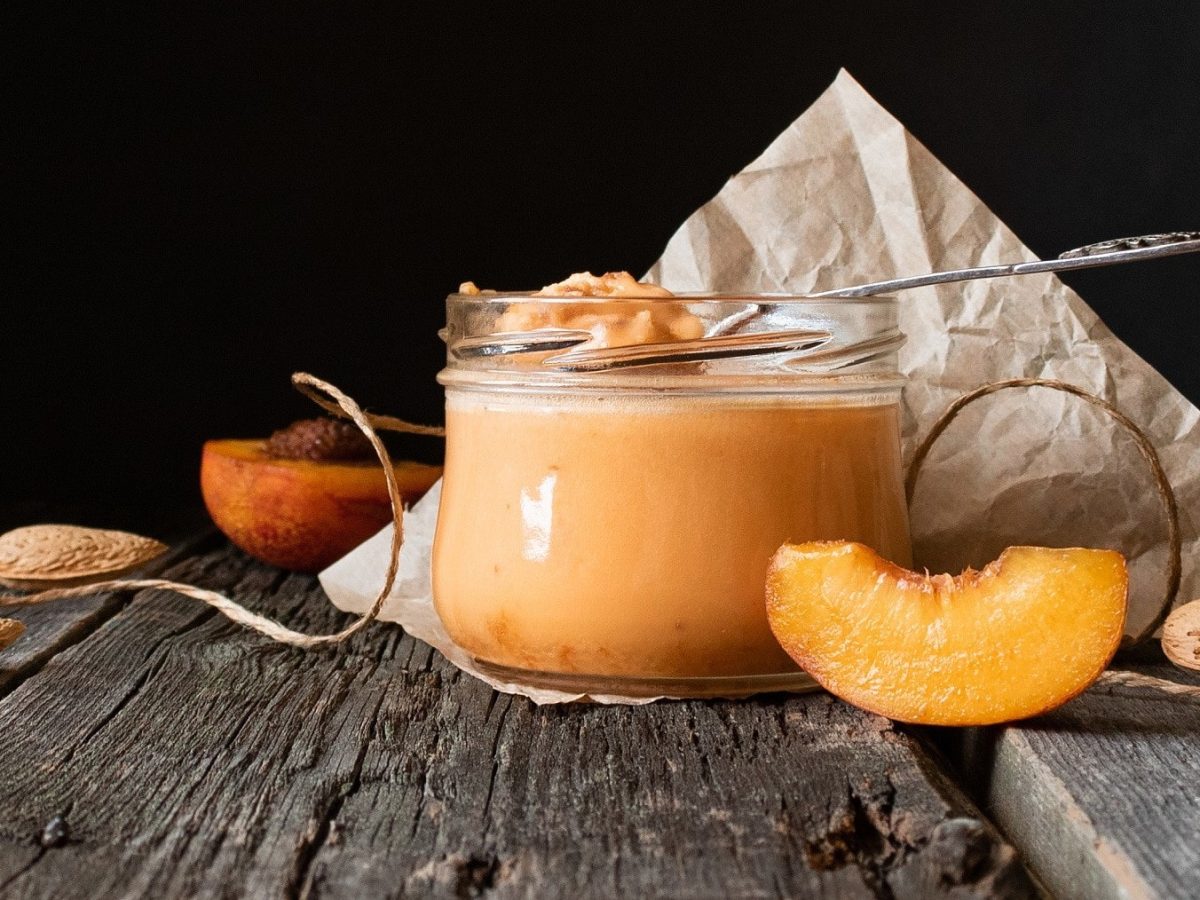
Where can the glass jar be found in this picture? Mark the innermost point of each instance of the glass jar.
(619, 473)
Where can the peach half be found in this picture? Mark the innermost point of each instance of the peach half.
(300, 514)
(1021, 636)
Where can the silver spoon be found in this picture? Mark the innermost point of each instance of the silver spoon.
(718, 344)
(1105, 253)
(810, 344)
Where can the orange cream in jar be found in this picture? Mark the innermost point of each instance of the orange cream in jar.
(625, 532)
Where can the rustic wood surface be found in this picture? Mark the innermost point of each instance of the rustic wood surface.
(1103, 795)
(150, 748)
(55, 626)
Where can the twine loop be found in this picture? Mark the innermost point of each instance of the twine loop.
(1145, 449)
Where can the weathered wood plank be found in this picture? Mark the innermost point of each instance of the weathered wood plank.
(55, 626)
(1103, 795)
(191, 758)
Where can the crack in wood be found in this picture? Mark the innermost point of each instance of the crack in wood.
(419, 813)
(491, 787)
(44, 845)
(300, 882)
(211, 763)
(477, 874)
(24, 870)
(108, 718)
(860, 835)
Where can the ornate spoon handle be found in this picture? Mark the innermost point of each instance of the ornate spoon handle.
(1105, 253)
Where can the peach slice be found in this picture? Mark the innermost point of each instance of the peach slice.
(300, 514)
(1026, 633)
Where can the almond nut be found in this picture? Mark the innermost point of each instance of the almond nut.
(45, 556)
(1181, 636)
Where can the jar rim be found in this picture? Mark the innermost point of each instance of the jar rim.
(722, 334)
(684, 296)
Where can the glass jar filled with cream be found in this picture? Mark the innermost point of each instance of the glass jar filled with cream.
(621, 463)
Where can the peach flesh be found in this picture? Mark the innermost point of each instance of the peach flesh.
(1025, 634)
(300, 514)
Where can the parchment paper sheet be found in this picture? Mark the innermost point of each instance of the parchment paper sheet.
(846, 195)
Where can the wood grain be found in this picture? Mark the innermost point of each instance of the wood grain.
(53, 627)
(1103, 796)
(169, 754)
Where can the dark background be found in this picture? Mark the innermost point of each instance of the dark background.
(203, 200)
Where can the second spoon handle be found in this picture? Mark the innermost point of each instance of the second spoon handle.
(1105, 253)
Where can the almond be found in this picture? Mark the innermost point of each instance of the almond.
(47, 556)
(1181, 636)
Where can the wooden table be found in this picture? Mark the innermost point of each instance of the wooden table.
(150, 748)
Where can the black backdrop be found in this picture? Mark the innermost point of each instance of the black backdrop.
(207, 199)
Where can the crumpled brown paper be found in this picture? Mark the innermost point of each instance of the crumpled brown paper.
(846, 195)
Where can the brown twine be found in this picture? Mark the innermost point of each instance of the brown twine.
(1144, 446)
(380, 423)
(1124, 678)
(342, 405)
